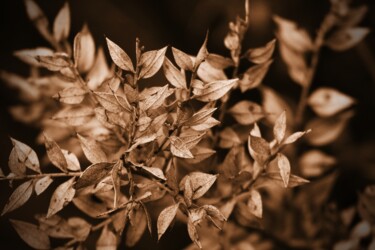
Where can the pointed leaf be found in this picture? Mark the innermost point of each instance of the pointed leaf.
(214, 90)
(165, 218)
(347, 38)
(75, 116)
(26, 155)
(182, 59)
(19, 197)
(112, 102)
(246, 112)
(84, 50)
(157, 172)
(294, 180)
(255, 203)
(284, 166)
(61, 197)
(71, 160)
(31, 234)
(136, 228)
(202, 54)
(151, 61)
(154, 97)
(55, 62)
(42, 184)
(173, 75)
(92, 150)
(55, 154)
(262, 54)
(71, 95)
(295, 136)
(61, 25)
(192, 231)
(201, 183)
(29, 56)
(107, 240)
(254, 76)
(259, 149)
(16, 167)
(280, 127)
(119, 56)
(179, 148)
(94, 174)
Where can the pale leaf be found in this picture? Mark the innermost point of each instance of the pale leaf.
(254, 76)
(259, 149)
(136, 228)
(214, 212)
(284, 167)
(179, 148)
(42, 184)
(182, 59)
(94, 174)
(199, 117)
(55, 62)
(27, 91)
(246, 112)
(209, 73)
(61, 25)
(19, 197)
(191, 138)
(200, 154)
(214, 90)
(154, 97)
(327, 101)
(107, 240)
(71, 160)
(71, 95)
(192, 231)
(295, 136)
(200, 183)
(202, 54)
(31, 234)
(26, 155)
(157, 172)
(255, 203)
(99, 71)
(207, 124)
(142, 140)
(173, 75)
(61, 197)
(280, 127)
(15, 166)
(273, 105)
(29, 55)
(346, 38)
(119, 56)
(313, 163)
(112, 102)
(262, 54)
(151, 61)
(55, 154)
(89, 205)
(92, 150)
(38, 18)
(295, 60)
(75, 116)
(165, 218)
(84, 50)
(294, 180)
(218, 61)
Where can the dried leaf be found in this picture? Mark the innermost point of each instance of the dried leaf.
(295, 60)
(273, 105)
(255, 203)
(71, 95)
(29, 56)
(214, 212)
(156, 172)
(26, 155)
(313, 163)
(19, 197)
(55, 154)
(94, 174)
(346, 38)
(214, 90)
(182, 59)
(75, 116)
(295, 136)
(92, 150)
(42, 184)
(165, 218)
(229, 138)
(37, 16)
(61, 25)
(200, 183)
(199, 117)
(328, 101)
(84, 50)
(262, 54)
(209, 123)
(253, 77)
(61, 197)
(89, 205)
(191, 138)
(208, 73)
(154, 97)
(218, 61)
(284, 166)
(15, 166)
(200, 154)
(113, 103)
(107, 240)
(192, 231)
(136, 228)
(151, 61)
(202, 54)
(246, 112)
(173, 75)
(179, 148)
(71, 160)
(294, 180)
(55, 62)
(142, 140)
(259, 149)
(280, 127)
(119, 56)
(99, 71)
(31, 234)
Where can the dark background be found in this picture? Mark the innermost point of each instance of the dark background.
(183, 24)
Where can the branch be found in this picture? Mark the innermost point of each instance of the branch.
(34, 176)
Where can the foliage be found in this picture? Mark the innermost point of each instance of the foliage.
(164, 147)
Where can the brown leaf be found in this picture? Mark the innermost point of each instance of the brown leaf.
(229, 138)
(173, 75)
(165, 218)
(294, 180)
(75, 116)
(218, 61)
(29, 56)
(295, 136)
(253, 77)
(192, 231)
(214, 90)
(79, 228)
(346, 38)
(255, 203)
(156, 172)
(89, 205)
(136, 228)
(71, 95)
(119, 56)
(209, 123)
(113, 103)
(15, 166)
(191, 138)
(99, 71)
(202, 54)
(259, 149)
(179, 148)
(200, 154)
(92, 150)
(61, 197)
(107, 240)
(26, 155)
(38, 18)
(55, 154)
(154, 97)
(61, 25)
(94, 174)
(56, 62)
(200, 183)
(327, 101)
(42, 184)
(71, 160)
(31, 234)
(151, 61)
(27, 91)
(273, 105)
(84, 50)
(280, 127)
(246, 112)
(295, 60)
(142, 140)
(19, 197)
(182, 59)
(209, 73)
(262, 54)
(313, 163)
(199, 117)
(284, 166)
(214, 212)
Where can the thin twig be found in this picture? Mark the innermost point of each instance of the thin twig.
(34, 176)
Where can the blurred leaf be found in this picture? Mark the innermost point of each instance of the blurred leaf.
(346, 38)
(214, 90)
(38, 18)
(295, 136)
(294, 180)
(119, 56)
(55, 154)
(61, 197)
(28, 92)
(182, 59)
(246, 112)
(173, 75)
(262, 54)
(107, 240)
(218, 61)
(26, 155)
(61, 25)
(94, 174)
(71, 95)
(192, 231)
(255, 203)
(313, 163)
(42, 184)
(280, 127)
(284, 166)
(56, 62)
(156, 172)
(29, 56)
(75, 116)
(89, 205)
(99, 71)
(295, 60)
(92, 150)
(31, 234)
(165, 218)
(136, 228)
(84, 50)
(229, 138)
(273, 104)
(253, 77)
(19, 197)
(151, 61)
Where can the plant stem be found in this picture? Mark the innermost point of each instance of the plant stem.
(33, 176)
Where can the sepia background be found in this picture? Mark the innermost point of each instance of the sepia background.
(183, 24)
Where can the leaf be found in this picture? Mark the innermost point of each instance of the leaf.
(173, 75)
(93, 174)
(71, 160)
(294, 180)
(75, 116)
(218, 61)
(119, 56)
(314, 163)
(142, 140)
(273, 105)
(27, 91)
(26, 155)
(284, 167)
(209, 73)
(136, 228)
(55, 154)
(199, 117)
(29, 56)
(295, 136)
(202, 54)
(200, 154)
(255, 203)
(92, 150)
(31, 234)
(79, 227)
(280, 127)
(346, 38)
(259, 149)
(19, 197)
(191, 138)
(107, 240)
(209, 123)
(165, 218)
(16, 167)
(156, 172)
(179, 148)
(84, 50)
(55, 62)
(200, 183)
(61, 25)
(253, 77)
(327, 101)
(246, 112)
(151, 61)
(61, 197)
(42, 184)
(38, 18)
(192, 231)
(154, 97)
(295, 60)
(113, 103)
(71, 95)
(99, 71)
(182, 59)
(89, 205)
(262, 54)
(229, 138)
(214, 90)
(214, 212)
